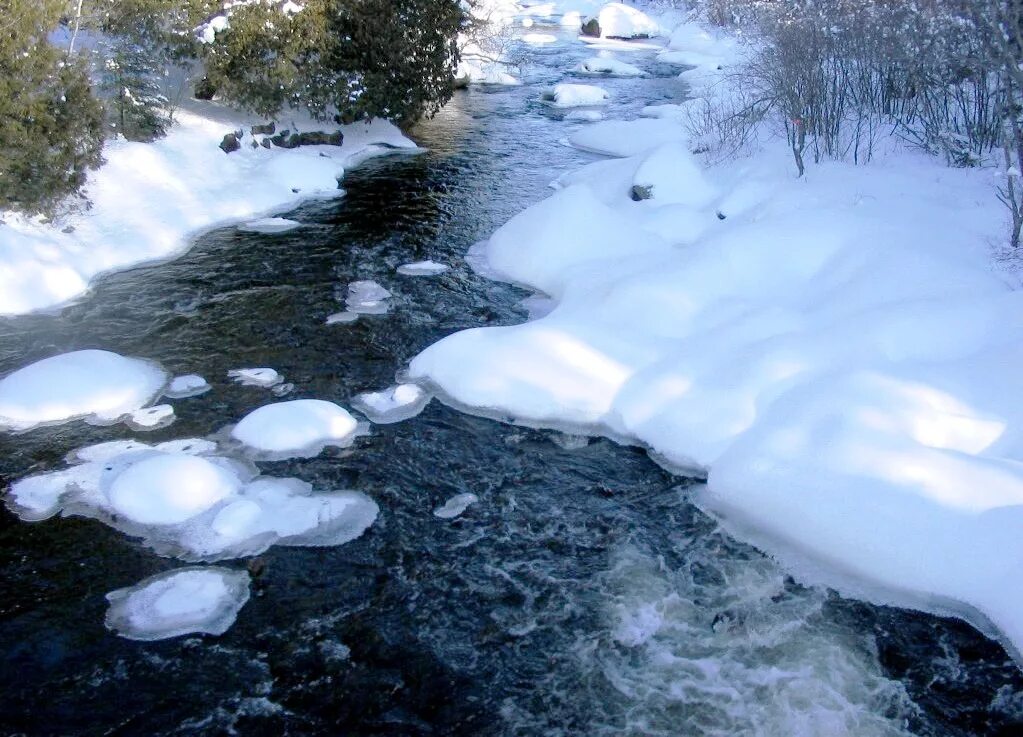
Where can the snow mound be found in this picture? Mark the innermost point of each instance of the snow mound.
(169, 488)
(627, 137)
(423, 268)
(299, 428)
(395, 404)
(99, 386)
(455, 506)
(264, 378)
(575, 95)
(670, 175)
(270, 226)
(189, 385)
(609, 66)
(182, 499)
(181, 602)
(367, 298)
(584, 116)
(621, 21)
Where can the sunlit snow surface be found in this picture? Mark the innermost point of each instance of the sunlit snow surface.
(184, 500)
(181, 602)
(99, 386)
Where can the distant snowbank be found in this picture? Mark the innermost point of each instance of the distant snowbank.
(836, 353)
(148, 200)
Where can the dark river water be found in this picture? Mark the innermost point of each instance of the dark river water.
(582, 595)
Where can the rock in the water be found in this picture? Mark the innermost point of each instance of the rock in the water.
(591, 28)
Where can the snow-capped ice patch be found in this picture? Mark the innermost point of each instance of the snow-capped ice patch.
(168, 488)
(182, 499)
(423, 268)
(151, 418)
(341, 318)
(189, 385)
(301, 427)
(609, 66)
(181, 602)
(394, 404)
(621, 21)
(367, 298)
(584, 116)
(261, 377)
(455, 506)
(574, 95)
(270, 225)
(627, 137)
(99, 386)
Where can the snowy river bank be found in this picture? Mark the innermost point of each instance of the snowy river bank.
(583, 593)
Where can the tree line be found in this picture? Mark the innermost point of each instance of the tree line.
(74, 73)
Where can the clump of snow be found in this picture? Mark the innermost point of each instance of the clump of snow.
(299, 428)
(584, 116)
(455, 506)
(836, 355)
(151, 418)
(264, 378)
(367, 298)
(618, 20)
(168, 488)
(627, 137)
(181, 602)
(270, 225)
(609, 66)
(423, 268)
(574, 95)
(100, 386)
(149, 197)
(395, 404)
(189, 385)
(183, 499)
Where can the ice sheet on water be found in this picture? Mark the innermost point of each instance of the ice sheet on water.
(189, 385)
(270, 226)
(366, 297)
(423, 268)
(455, 506)
(181, 602)
(342, 318)
(299, 428)
(261, 377)
(100, 386)
(184, 500)
(394, 404)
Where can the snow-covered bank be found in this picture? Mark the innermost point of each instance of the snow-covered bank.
(148, 201)
(836, 352)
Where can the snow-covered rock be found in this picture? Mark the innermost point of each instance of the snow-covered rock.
(270, 225)
(423, 268)
(574, 95)
(618, 20)
(301, 427)
(609, 66)
(97, 385)
(627, 137)
(181, 602)
(455, 506)
(264, 378)
(189, 385)
(394, 404)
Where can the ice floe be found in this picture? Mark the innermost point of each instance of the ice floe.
(151, 418)
(189, 385)
(181, 602)
(575, 95)
(270, 226)
(262, 377)
(423, 268)
(186, 499)
(366, 297)
(455, 506)
(100, 386)
(299, 428)
(394, 404)
(341, 318)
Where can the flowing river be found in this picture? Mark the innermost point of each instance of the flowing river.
(582, 595)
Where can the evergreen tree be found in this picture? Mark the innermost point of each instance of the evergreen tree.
(51, 126)
(137, 108)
